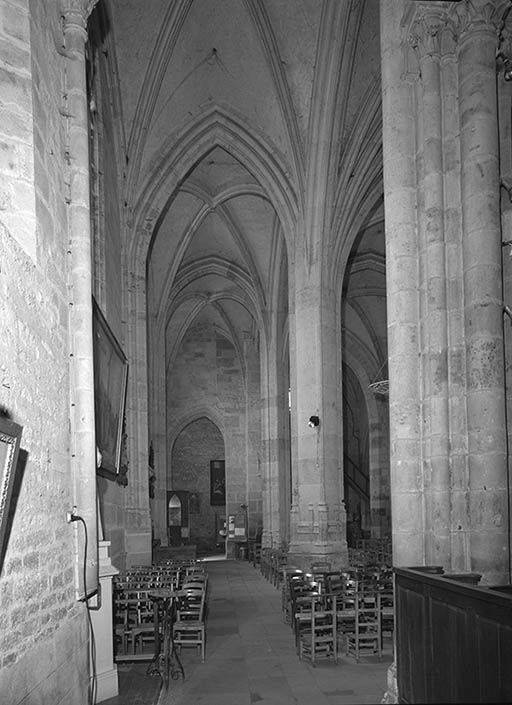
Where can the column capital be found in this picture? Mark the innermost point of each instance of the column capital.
(77, 12)
(479, 15)
(426, 32)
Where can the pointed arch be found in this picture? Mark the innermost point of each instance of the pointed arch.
(215, 127)
(198, 412)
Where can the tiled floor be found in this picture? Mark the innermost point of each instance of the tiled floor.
(251, 658)
(251, 654)
(135, 687)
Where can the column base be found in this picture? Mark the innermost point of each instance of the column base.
(107, 685)
(138, 548)
(391, 694)
(304, 554)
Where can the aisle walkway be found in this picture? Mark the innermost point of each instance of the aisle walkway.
(251, 658)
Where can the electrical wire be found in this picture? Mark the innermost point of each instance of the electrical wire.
(92, 686)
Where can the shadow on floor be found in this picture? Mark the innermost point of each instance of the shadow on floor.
(135, 687)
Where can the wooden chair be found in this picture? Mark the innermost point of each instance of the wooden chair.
(189, 628)
(122, 632)
(387, 606)
(279, 563)
(301, 592)
(367, 635)
(134, 623)
(289, 575)
(254, 552)
(318, 639)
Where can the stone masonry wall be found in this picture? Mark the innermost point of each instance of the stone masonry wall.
(198, 443)
(207, 380)
(43, 629)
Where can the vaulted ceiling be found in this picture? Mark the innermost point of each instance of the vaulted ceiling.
(265, 69)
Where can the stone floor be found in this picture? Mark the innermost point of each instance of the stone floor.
(251, 658)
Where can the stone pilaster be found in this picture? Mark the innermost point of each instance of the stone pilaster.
(83, 453)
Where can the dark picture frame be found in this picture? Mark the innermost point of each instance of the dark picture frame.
(217, 483)
(10, 439)
(110, 384)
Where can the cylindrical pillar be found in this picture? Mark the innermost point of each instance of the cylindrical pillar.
(317, 516)
(402, 292)
(427, 33)
(480, 186)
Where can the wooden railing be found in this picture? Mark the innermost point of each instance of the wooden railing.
(453, 639)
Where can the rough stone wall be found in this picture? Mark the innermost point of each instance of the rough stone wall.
(43, 632)
(198, 443)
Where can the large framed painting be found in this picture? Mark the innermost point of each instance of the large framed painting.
(10, 438)
(217, 483)
(110, 381)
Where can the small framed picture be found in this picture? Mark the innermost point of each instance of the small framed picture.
(10, 438)
(110, 381)
(217, 483)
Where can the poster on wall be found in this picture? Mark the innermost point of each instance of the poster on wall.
(217, 483)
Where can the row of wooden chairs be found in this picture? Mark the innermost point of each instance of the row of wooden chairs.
(359, 604)
(330, 609)
(324, 621)
(367, 552)
(137, 609)
(272, 562)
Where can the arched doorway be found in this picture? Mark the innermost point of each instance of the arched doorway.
(197, 477)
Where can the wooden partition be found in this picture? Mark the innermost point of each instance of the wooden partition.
(453, 640)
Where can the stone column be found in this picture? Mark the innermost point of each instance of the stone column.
(83, 448)
(426, 37)
(455, 311)
(402, 250)
(270, 441)
(157, 420)
(317, 516)
(505, 124)
(380, 514)
(136, 494)
(318, 521)
(253, 402)
(480, 188)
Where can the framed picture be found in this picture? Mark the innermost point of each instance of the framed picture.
(10, 438)
(217, 483)
(110, 381)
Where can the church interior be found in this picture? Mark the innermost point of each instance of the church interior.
(273, 239)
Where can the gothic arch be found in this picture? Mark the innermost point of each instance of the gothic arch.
(216, 127)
